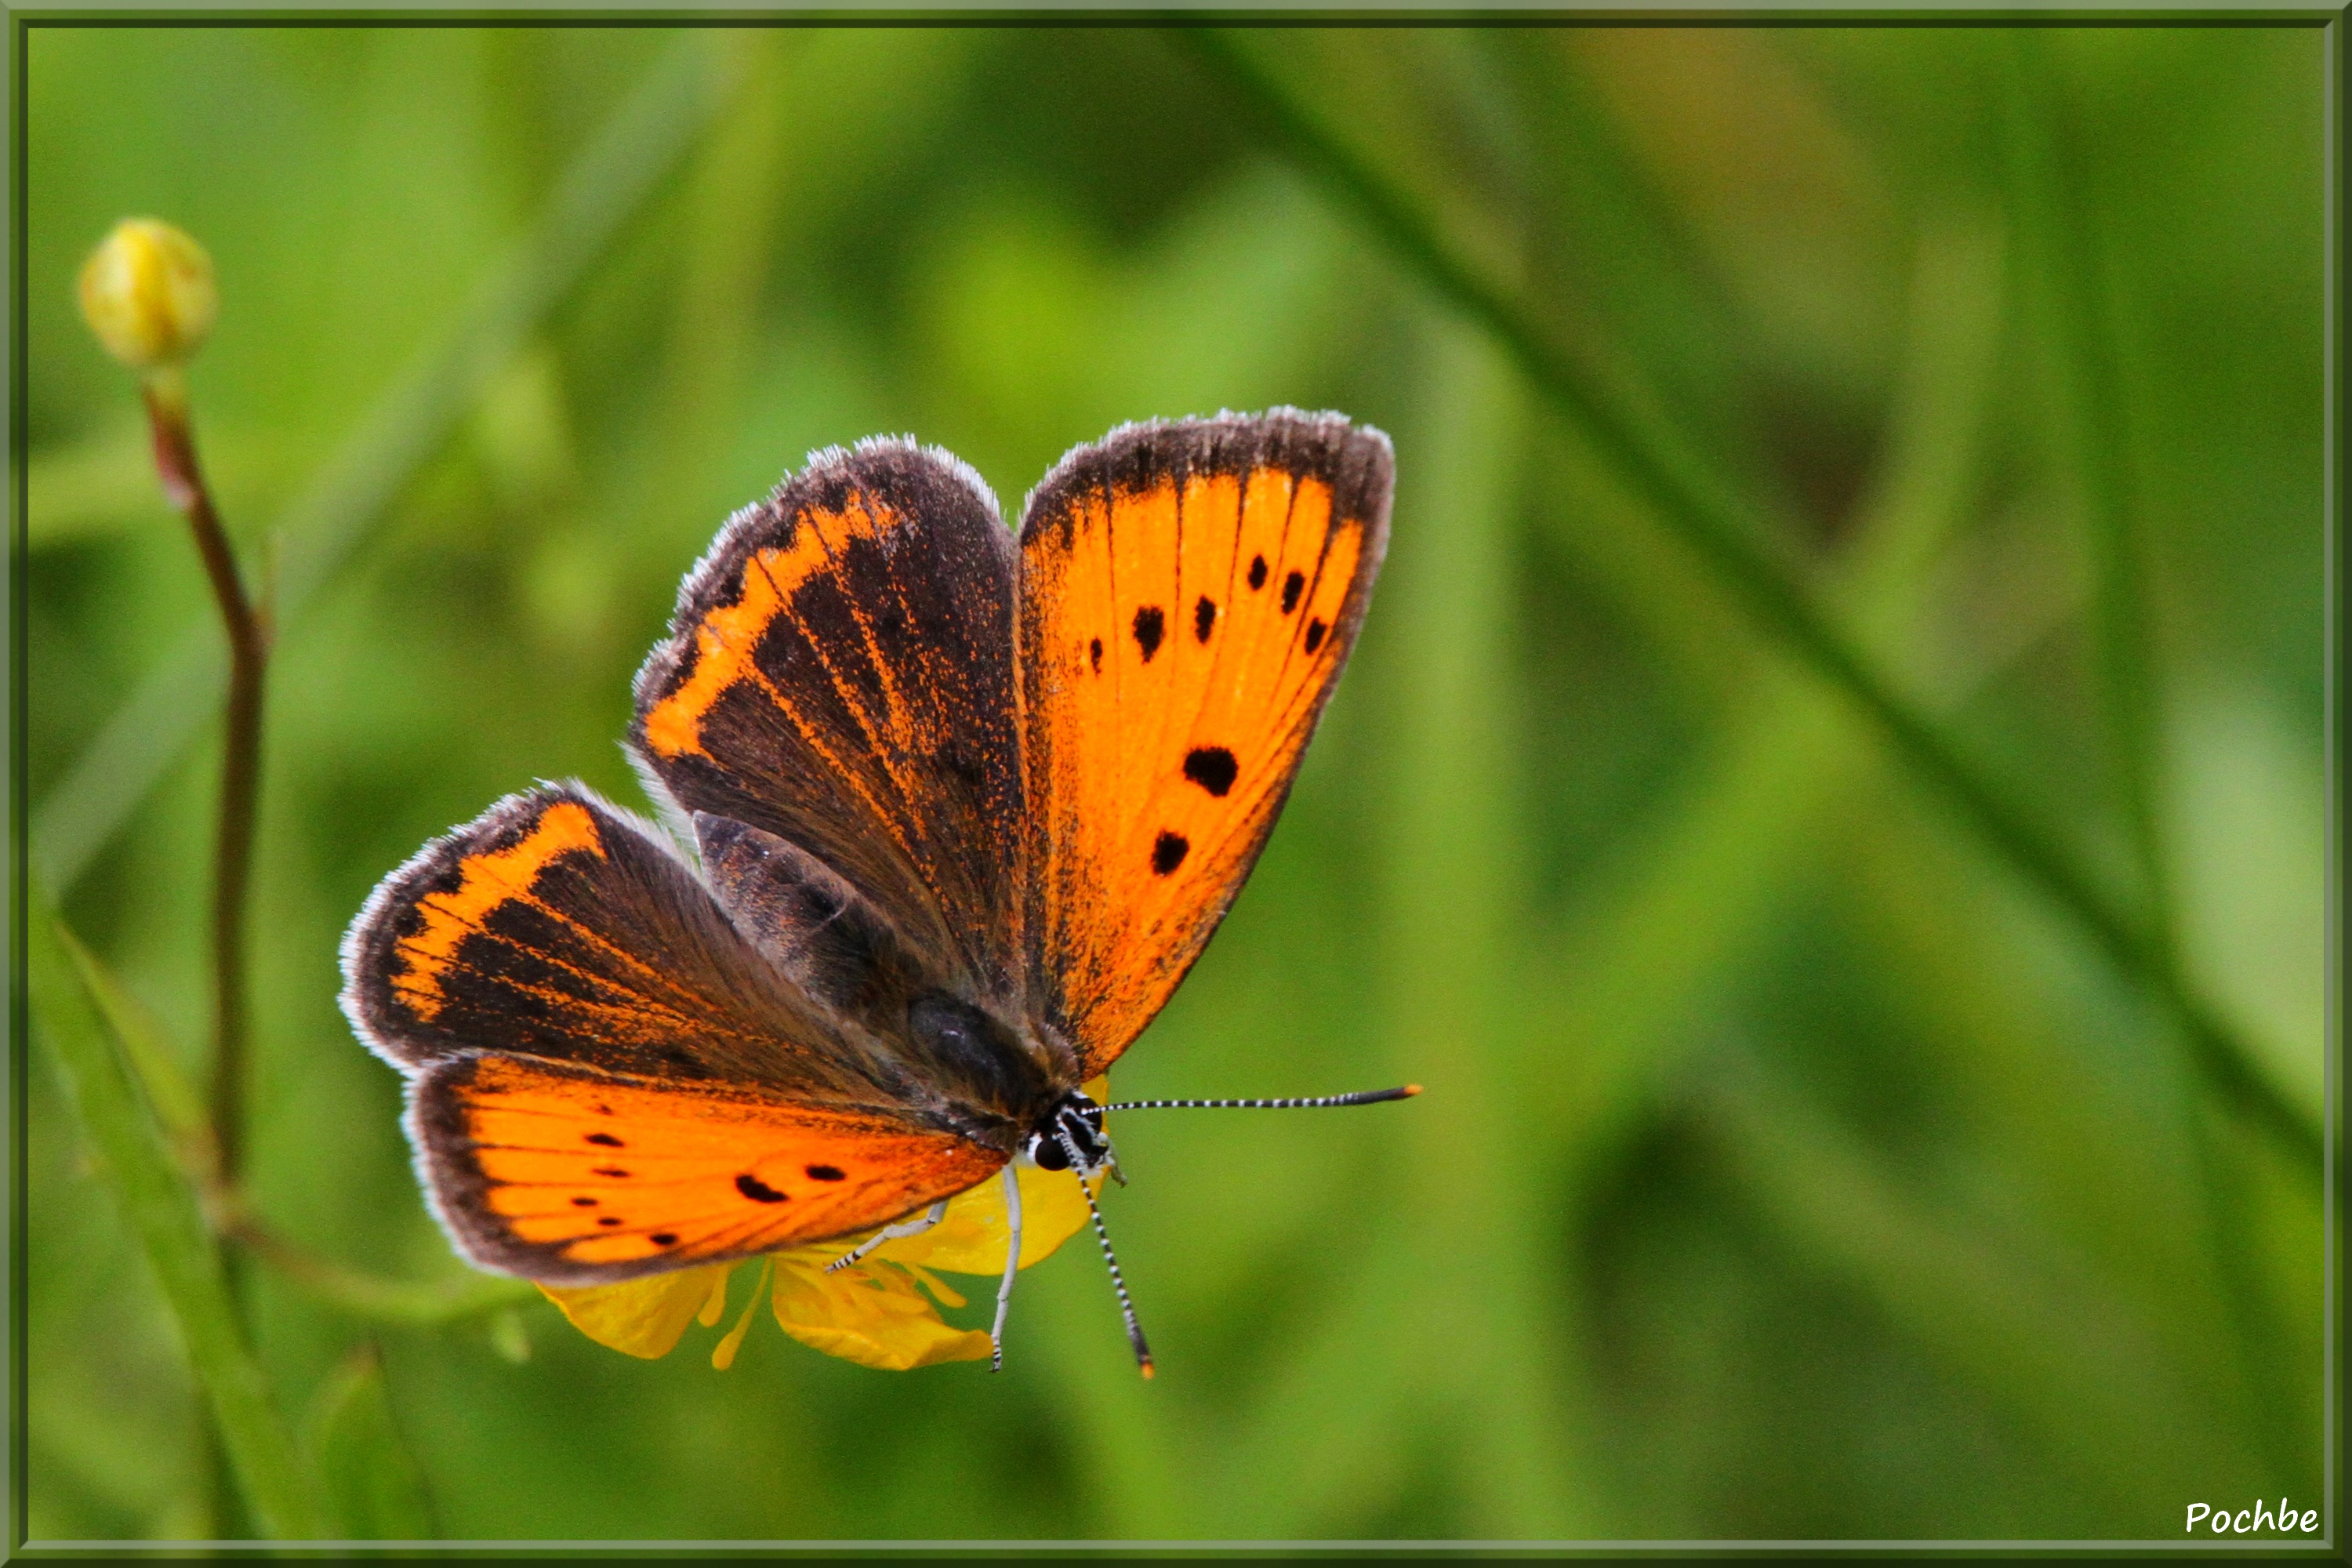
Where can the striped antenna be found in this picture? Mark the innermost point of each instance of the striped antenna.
(1118, 1281)
(1367, 1097)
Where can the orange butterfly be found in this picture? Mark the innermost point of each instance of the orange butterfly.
(965, 809)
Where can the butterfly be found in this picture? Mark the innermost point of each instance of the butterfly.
(951, 812)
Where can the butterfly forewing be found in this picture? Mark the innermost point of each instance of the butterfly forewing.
(1189, 593)
(839, 673)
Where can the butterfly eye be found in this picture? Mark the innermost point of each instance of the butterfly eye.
(1079, 1120)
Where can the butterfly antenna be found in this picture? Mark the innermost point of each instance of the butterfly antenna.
(1366, 1097)
(1118, 1280)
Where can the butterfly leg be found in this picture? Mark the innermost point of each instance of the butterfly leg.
(890, 1233)
(1011, 1267)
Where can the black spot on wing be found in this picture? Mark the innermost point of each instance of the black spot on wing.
(1167, 852)
(1315, 630)
(758, 1190)
(610, 1220)
(584, 1203)
(1214, 768)
(1204, 618)
(606, 1138)
(825, 1173)
(1094, 652)
(663, 1238)
(1257, 572)
(612, 1171)
(1292, 586)
(1151, 625)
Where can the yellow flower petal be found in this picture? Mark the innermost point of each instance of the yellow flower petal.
(723, 1354)
(941, 1291)
(874, 1317)
(970, 1237)
(641, 1317)
(715, 1308)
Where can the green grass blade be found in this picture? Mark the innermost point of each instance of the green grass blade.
(2061, 260)
(178, 1104)
(180, 1110)
(373, 1478)
(612, 178)
(1732, 538)
(163, 1211)
(1635, 955)
(1454, 845)
(2069, 1360)
(2060, 250)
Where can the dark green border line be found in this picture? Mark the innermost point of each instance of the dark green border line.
(2333, 132)
(19, 806)
(1418, 18)
(22, 21)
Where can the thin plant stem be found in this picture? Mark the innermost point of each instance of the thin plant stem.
(248, 646)
(397, 1301)
(1726, 532)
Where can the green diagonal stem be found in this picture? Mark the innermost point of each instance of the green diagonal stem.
(1731, 537)
(161, 1208)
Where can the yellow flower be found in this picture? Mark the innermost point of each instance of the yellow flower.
(872, 1316)
(870, 1312)
(147, 291)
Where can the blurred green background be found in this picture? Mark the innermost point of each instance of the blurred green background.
(1791, 1165)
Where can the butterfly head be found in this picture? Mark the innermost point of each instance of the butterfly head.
(1072, 1132)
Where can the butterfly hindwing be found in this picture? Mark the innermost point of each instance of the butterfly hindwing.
(1189, 593)
(560, 988)
(839, 674)
(555, 926)
(571, 1174)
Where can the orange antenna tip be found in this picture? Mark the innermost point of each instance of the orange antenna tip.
(1145, 1367)
(1411, 1090)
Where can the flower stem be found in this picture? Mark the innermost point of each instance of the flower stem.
(396, 1301)
(249, 644)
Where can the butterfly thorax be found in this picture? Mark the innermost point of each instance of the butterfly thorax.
(985, 1068)
(985, 1074)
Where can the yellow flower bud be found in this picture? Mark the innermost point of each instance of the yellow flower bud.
(147, 291)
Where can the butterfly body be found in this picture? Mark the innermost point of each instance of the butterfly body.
(962, 807)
